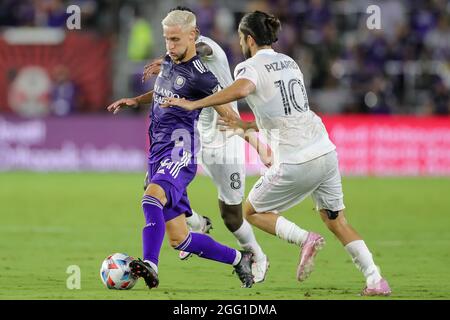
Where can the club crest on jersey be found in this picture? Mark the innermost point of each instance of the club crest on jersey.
(179, 82)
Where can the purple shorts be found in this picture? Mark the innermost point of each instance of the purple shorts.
(174, 176)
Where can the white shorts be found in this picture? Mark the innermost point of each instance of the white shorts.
(286, 185)
(226, 167)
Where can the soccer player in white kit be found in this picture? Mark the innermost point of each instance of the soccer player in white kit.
(305, 160)
(222, 158)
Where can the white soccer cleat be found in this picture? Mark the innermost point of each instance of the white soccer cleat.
(259, 269)
(207, 225)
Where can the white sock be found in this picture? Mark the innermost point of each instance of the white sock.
(363, 260)
(247, 241)
(154, 266)
(195, 222)
(238, 258)
(290, 232)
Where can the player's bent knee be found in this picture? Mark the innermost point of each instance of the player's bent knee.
(332, 215)
(248, 210)
(334, 219)
(157, 192)
(177, 231)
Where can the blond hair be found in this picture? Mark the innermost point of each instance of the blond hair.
(185, 19)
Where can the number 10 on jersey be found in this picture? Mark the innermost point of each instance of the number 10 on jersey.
(291, 96)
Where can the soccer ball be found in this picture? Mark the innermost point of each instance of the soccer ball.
(115, 272)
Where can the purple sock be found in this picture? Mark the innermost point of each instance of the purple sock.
(206, 247)
(153, 232)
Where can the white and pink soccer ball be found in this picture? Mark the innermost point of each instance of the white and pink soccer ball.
(115, 272)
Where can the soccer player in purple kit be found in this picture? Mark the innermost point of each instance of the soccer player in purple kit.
(173, 146)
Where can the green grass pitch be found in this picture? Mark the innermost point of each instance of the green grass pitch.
(51, 221)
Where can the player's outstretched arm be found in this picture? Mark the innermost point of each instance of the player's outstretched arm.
(235, 124)
(226, 111)
(238, 90)
(116, 106)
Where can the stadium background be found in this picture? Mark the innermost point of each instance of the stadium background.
(71, 174)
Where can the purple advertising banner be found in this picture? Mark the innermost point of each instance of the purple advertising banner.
(103, 143)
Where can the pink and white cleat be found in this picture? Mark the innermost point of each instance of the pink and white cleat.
(380, 289)
(313, 243)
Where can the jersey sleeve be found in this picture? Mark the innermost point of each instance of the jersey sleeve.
(206, 84)
(246, 71)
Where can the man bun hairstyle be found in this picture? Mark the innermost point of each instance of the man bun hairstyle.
(182, 8)
(261, 26)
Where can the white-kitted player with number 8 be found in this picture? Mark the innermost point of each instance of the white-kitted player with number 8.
(305, 160)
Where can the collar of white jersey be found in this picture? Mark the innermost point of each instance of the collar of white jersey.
(263, 51)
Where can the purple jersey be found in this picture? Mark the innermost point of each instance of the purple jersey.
(190, 80)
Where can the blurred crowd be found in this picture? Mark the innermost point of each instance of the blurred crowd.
(404, 67)
(46, 13)
(401, 68)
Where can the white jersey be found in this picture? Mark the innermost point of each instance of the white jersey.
(217, 63)
(280, 104)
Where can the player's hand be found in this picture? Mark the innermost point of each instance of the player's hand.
(151, 69)
(182, 103)
(231, 126)
(115, 107)
(231, 123)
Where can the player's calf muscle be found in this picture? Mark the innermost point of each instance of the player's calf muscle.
(341, 228)
(177, 231)
(231, 215)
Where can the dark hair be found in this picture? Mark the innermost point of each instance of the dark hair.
(261, 26)
(182, 8)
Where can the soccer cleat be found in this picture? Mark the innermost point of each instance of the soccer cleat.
(244, 269)
(259, 269)
(184, 255)
(313, 243)
(143, 269)
(381, 289)
(207, 225)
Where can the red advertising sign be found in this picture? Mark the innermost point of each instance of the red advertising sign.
(367, 145)
(390, 145)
